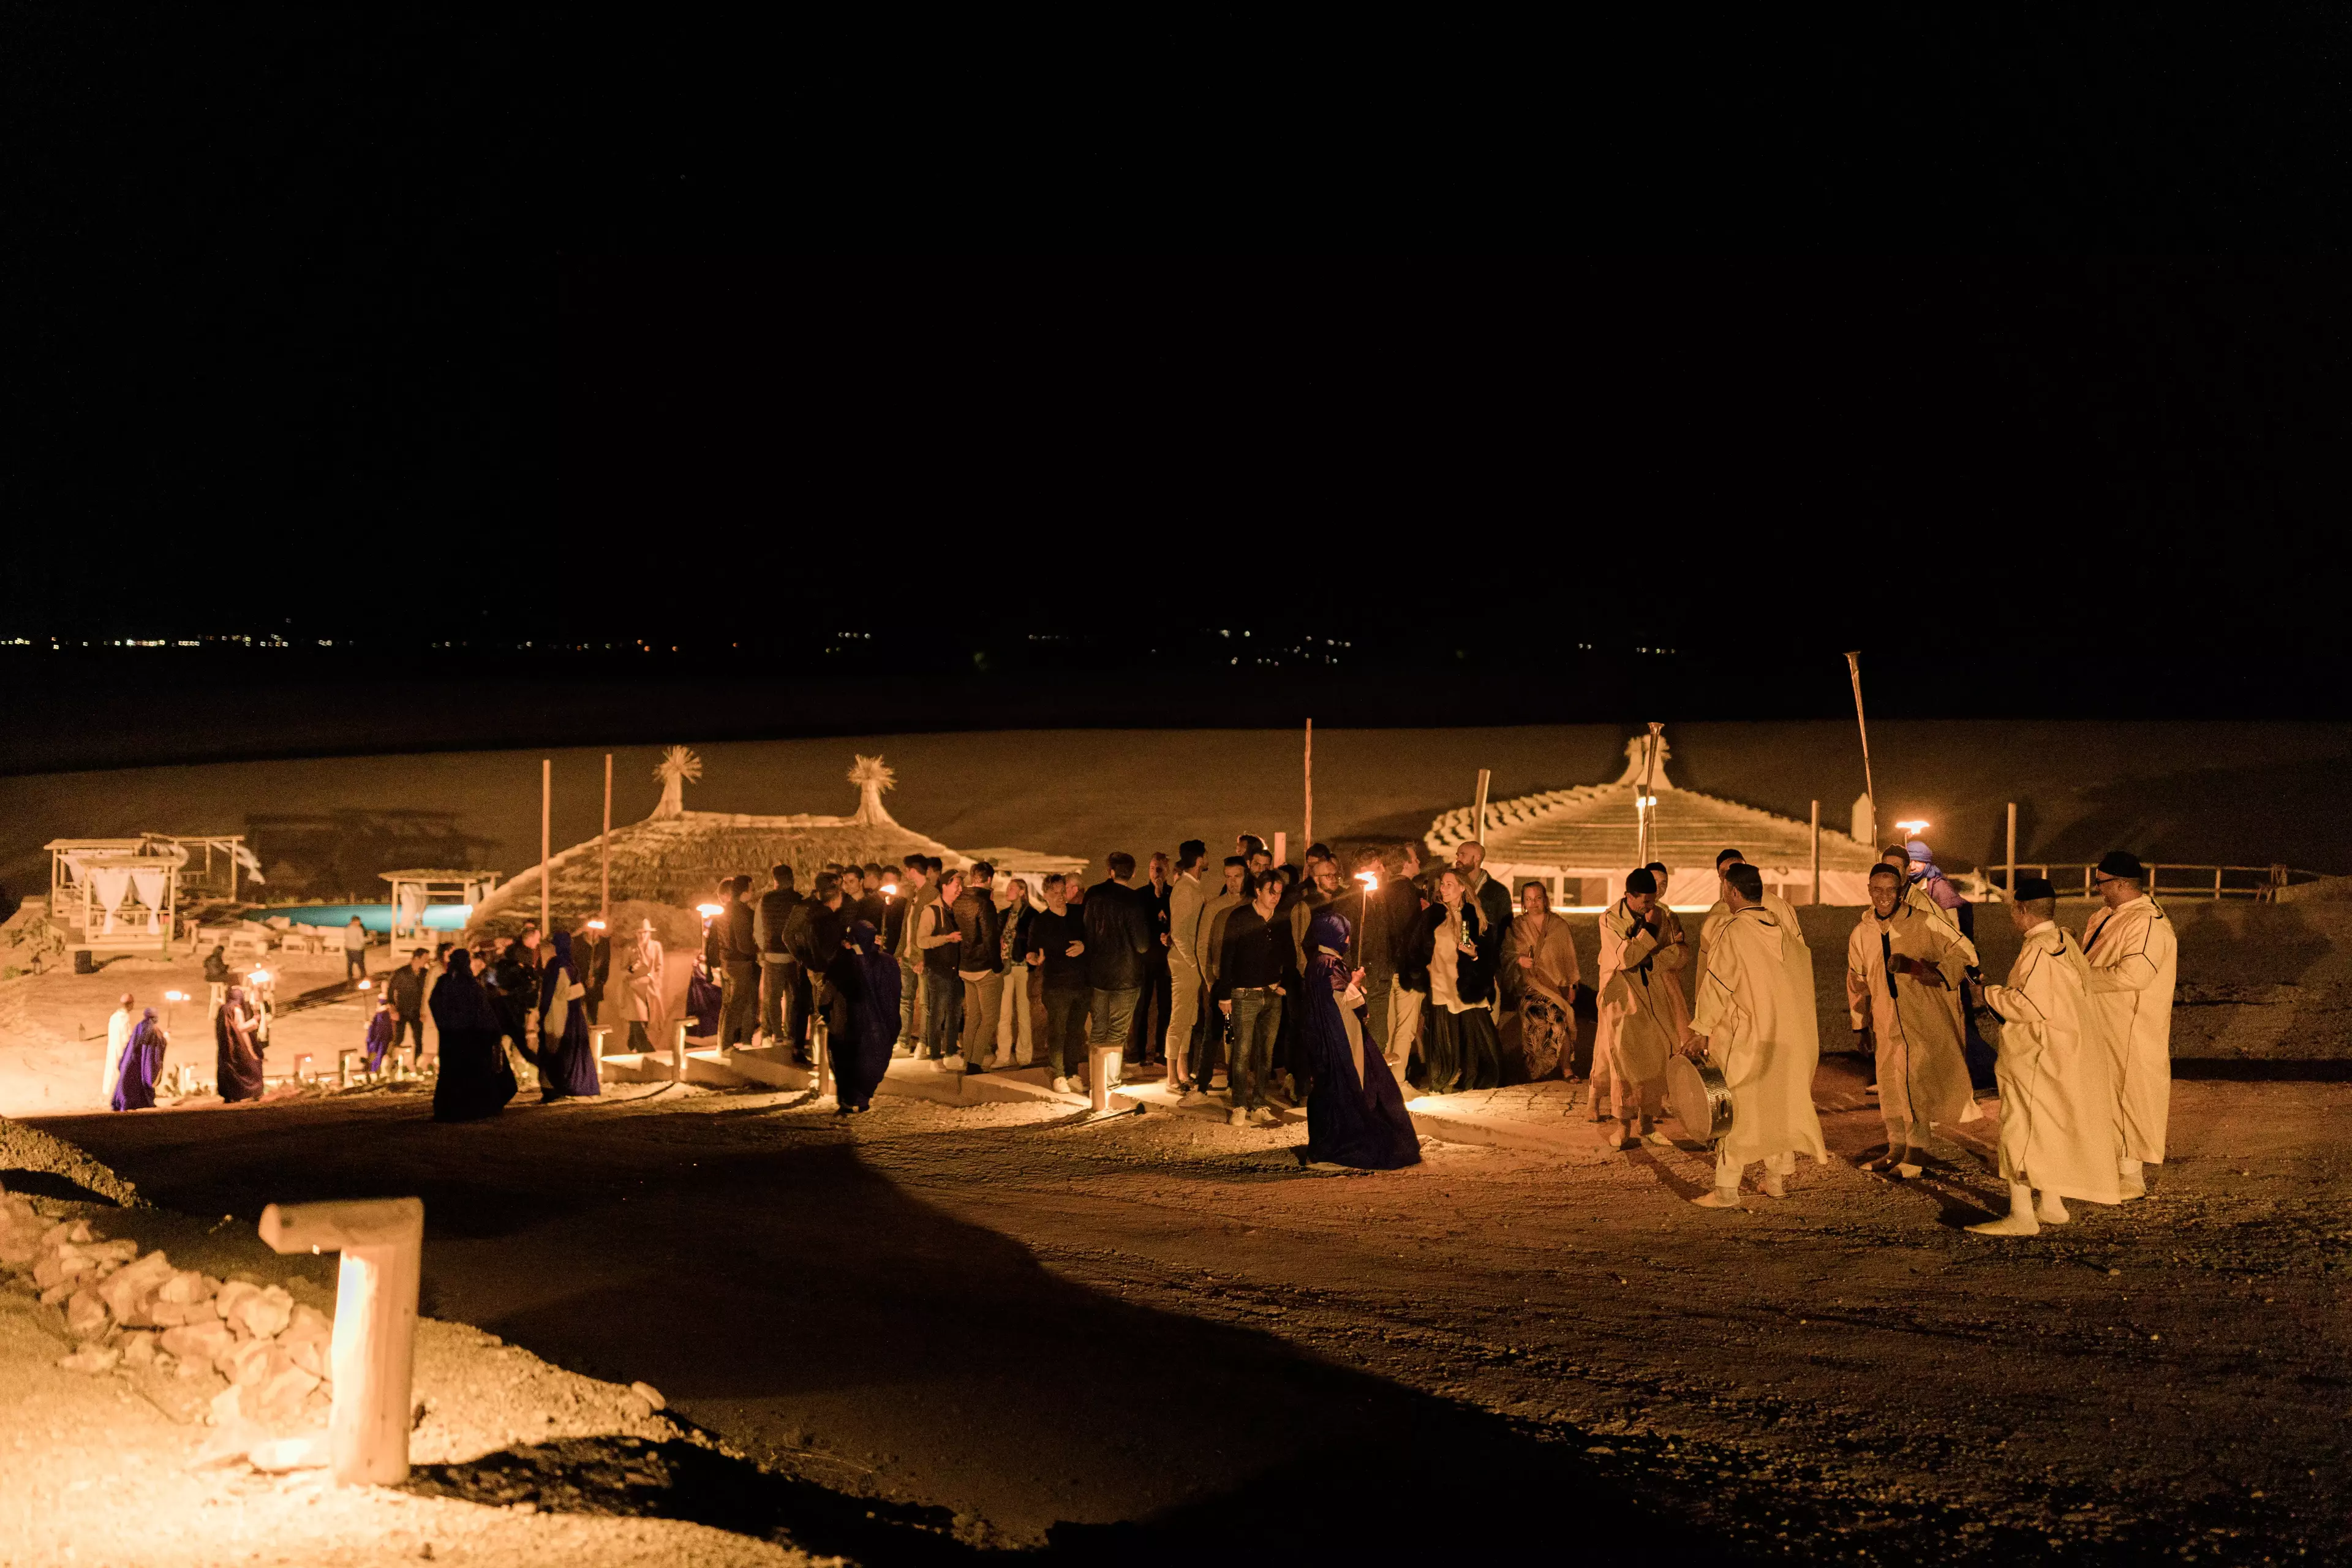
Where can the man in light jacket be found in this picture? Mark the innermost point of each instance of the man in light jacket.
(1186, 899)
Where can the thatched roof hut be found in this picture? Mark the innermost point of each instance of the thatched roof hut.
(1581, 842)
(677, 857)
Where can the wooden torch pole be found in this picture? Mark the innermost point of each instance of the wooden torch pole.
(1817, 852)
(1854, 668)
(1485, 776)
(605, 856)
(546, 797)
(2011, 888)
(1309, 833)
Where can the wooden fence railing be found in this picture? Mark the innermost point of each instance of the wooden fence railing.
(2260, 883)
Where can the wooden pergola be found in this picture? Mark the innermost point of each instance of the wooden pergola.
(414, 891)
(115, 895)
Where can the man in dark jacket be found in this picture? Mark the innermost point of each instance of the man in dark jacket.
(406, 988)
(804, 941)
(980, 963)
(1057, 947)
(738, 952)
(780, 973)
(1118, 934)
(1258, 966)
(1146, 1039)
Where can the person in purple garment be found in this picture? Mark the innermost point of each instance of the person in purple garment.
(567, 1056)
(237, 1048)
(866, 980)
(705, 998)
(380, 1031)
(475, 1080)
(1355, 1113)
(142, 1063)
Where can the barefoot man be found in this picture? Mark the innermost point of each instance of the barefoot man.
(1754, 1023)
(2134, 961)
(2057, 1088)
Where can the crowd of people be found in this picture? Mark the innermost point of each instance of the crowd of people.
(1329, 991)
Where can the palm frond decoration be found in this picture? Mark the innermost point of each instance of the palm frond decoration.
(871, 778)
(679, 768)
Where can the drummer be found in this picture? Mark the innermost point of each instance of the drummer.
(1754, 1023)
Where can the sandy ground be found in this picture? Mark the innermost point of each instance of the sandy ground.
(1157, 1339)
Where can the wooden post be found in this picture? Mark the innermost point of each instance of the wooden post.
(1281, 848)
(1101, 1060)
(2011, 889)
(596, 1039)
(1479, 816)
(1817, 853)
(1308, 828)
(546, 797)
(2151, 878)
(678, 1054)
(605, 856)
(823, 1036)
(1854, 668)
(2217, 884)
(374, 1347)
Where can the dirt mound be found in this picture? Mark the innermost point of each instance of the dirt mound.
(33, 1162)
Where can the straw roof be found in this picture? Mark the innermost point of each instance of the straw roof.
(1594, 831)
(678, 857)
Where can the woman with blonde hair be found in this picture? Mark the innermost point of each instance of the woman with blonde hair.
(1539, 974)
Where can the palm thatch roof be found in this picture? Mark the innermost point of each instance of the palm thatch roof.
(677, 857)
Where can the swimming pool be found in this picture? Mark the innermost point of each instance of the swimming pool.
(374, 918)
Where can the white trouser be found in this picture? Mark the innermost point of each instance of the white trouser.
(1013, 1023)
(1405, 1029)
(1727, 1172)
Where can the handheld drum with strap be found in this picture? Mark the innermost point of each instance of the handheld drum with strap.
(1698, 1098)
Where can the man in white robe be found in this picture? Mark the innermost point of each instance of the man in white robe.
(2057, 1090)
(1720, 911)
(1642, 1015)
(1903, 975)
(1754, 1023)
(118, 1033)
(2134, 960)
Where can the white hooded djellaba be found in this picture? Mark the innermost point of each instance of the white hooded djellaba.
(2057, 1086)
(2135, 960)
(1756, 1011)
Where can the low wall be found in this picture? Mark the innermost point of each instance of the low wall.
(2258, 982)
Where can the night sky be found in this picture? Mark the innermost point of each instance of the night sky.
(2014, 345)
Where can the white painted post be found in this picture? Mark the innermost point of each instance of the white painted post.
(374, 1347)
(596, 1039)
(678, 1054)
(1101, 1060)
(2011, 889)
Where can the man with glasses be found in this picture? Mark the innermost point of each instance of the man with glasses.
(2135, 960)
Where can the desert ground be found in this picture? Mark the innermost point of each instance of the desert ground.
(1005, 1329)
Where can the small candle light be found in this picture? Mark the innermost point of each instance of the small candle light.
(595, 925)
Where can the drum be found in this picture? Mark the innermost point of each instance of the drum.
(1698, 1097)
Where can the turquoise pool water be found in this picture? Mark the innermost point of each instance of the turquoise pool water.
(376, 918)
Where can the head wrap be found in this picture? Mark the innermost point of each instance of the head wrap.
(1641, 881)
(563, 952)
(1328, 929)
(2122, 863)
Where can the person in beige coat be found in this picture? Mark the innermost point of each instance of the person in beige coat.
(2134, 960)
(1539, 976)
(1754, 1023)
(2057, 1090)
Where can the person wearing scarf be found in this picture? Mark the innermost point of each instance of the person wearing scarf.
(567, 1056)
(1539, 969)
(1449, 958)
(866, 980)
(1355, 1113)
(380, 1031)
(238, 1051)
(475, 1080)
(142, 1063)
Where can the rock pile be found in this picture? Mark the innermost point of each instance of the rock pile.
(250, 1350)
